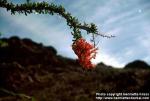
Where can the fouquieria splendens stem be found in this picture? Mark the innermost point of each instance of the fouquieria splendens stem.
(84, 50)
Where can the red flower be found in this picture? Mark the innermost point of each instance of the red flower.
(85, 52)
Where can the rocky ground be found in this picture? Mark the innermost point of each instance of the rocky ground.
(30, 71)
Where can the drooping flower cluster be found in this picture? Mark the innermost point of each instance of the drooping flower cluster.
(85, 52)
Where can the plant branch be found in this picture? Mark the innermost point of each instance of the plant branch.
(45, 8)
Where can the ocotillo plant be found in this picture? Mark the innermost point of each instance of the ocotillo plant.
(84, 50)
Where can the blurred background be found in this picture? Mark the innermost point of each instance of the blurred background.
(37, 61)
(128, 20)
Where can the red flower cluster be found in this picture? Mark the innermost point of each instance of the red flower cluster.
(85, 52)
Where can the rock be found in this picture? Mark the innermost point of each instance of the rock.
(31, 68)
(138, 64)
